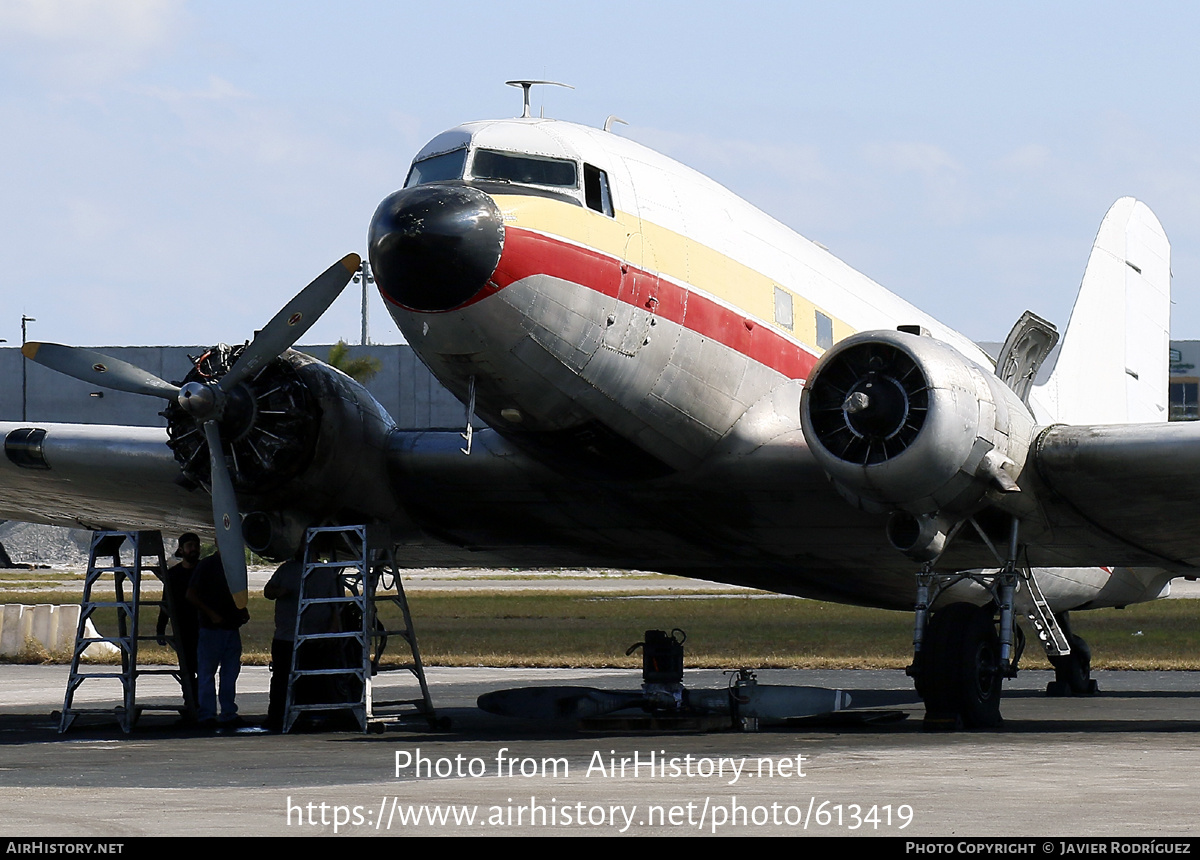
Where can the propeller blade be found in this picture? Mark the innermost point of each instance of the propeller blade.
(226, 519)
(96, 368)
(297, 317)
(558, 703)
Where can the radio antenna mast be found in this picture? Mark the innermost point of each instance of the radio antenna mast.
(528, 85)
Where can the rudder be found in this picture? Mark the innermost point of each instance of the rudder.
(1112, 364)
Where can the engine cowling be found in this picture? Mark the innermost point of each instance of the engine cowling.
(306, 444)
(903, 422)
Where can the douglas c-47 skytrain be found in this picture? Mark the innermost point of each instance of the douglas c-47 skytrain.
(674, 381)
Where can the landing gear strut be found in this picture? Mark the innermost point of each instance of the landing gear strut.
(964, 652)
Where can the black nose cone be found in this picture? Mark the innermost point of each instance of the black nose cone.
(433, 247)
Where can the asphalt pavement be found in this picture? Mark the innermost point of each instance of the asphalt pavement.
(1122, 763)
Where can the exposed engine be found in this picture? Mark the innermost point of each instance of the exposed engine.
(300, 437)
(907, 424)
(269, 427)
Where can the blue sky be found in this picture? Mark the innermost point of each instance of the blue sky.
(175, 171)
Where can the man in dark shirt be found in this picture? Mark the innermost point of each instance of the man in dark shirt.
(176, 608)
(220, 644)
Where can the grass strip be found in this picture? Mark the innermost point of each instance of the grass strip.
(513, 628)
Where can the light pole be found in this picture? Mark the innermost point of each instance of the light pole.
(24, 362)
(364, 277)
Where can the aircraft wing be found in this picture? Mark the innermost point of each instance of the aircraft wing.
(1134, 484)
(95, 476)
(1120, 492)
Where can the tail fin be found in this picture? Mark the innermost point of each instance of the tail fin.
(1112, 364)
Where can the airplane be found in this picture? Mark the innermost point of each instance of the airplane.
(671, 380)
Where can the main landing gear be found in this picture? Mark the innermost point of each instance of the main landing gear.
(958, 670)
(963, 652)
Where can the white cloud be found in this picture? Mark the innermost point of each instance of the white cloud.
(1027, 158)
(91, 222)
(721, 155)
(84, 42)
(216, 90)
(924, 158)
(223, 119)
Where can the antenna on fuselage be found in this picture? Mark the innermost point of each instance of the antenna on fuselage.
(613, 118)
(528, 85)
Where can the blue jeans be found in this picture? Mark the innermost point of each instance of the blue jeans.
(223, 649)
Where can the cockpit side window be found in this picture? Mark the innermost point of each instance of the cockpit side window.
(524, 169)
(436, 168)
(595, 190)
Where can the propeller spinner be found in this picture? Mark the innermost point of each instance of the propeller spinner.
(206, 402)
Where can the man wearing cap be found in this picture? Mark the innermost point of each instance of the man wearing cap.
(182, 614)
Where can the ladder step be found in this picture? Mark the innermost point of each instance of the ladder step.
(113, 639)
(314, 673)
(415, 703)
(329, 706)
(312, 637)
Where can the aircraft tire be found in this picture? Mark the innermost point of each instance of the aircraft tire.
(959, 657)
(1073, 673)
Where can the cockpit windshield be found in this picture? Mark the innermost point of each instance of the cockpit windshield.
(525, 169)
(436, 168)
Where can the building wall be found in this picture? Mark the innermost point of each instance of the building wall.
(405, 388)
(1185, 380)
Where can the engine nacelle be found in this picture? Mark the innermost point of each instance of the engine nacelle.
(306, 446)
(902, 422)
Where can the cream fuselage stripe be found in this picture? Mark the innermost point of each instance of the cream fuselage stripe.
(527, 253)
(675, 256)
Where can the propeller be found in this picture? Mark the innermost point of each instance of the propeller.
(558, 703)
(96, 368)
(206, 401)
(771, 705)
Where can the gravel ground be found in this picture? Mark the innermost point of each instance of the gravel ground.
(28, 543)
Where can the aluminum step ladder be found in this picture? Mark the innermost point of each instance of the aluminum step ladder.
(107, 570)
(336, 668)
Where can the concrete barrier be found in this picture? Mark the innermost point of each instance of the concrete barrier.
(47, 626)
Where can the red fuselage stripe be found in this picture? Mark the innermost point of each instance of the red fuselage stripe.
(527, 253)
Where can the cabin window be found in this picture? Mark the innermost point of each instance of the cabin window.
(437, 168)
(595, 190)
(525, 169)
(824, 331)
(783, 308)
